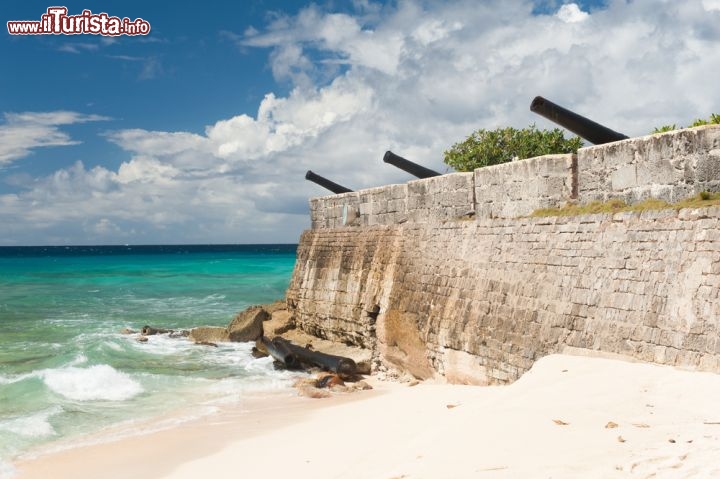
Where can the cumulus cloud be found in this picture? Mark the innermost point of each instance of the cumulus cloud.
(571, 13)
(414, 78)
(22, 132)
(340, 36)
(145, 201)
(711, 4)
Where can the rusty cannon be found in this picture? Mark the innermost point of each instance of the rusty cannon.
(325, 183)
(407, 165)
(343, 367)
(593, 132)
(280, 352)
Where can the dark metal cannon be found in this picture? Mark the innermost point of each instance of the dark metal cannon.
(325, 183)
(593, 132)
(280, 352)
(407, 165)
(343, 367)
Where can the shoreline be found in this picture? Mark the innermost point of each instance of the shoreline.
(569, 416)
(119, 452)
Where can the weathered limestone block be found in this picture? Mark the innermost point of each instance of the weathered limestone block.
(668, 166)
(248, 325)
(385, 205)
(209, 334)
(440, 198)
(334, 211)
(399, 342)
(280, 322)
(514, 189)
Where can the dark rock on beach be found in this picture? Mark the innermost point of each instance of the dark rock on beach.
(149, 331)
(329, 381)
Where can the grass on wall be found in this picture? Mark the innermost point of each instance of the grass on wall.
(700, 200)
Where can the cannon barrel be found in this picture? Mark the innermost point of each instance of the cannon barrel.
(593, 132)
(343, 367)
(280, 352)
(407, 165)
(325, 183)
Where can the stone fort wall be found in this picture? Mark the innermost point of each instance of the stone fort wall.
(448, 276)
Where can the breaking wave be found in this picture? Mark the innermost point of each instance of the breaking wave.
(99, 382)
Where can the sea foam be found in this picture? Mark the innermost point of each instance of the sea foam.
(34, 425)
(99, 382)
(7, 470)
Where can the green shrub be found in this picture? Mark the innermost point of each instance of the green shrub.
(713, 120)
(664, 128)
(491, 147)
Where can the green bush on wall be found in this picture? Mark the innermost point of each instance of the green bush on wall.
(491, 147)
(713, 120)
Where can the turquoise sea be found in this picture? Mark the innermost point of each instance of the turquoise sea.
(67, 371)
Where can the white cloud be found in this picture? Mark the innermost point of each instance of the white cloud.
(104, 227)
(415, 79)
(340, 35)
(78, 47)
(571, 13)
(433, 30)
(158, 143)
(146, 170)
(711, 5)
(51, 118)
(22, 132)
(152, 67)
(144, 202)
(280, 125)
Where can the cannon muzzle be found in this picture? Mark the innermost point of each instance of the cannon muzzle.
(342, 366)
(327, 184)
(593, 132)
(406, 165)
(280, 352)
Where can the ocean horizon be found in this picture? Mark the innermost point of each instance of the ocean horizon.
(66, 369)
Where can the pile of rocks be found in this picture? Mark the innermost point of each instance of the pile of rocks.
(276, 321)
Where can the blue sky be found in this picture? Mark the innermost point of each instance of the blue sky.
(201, 131)
(184, 75)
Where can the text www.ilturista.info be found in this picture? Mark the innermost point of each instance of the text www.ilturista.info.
(57, 22)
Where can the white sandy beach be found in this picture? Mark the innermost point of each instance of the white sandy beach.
(569, 417)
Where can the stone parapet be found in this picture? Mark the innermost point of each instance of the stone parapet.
(668, 166)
